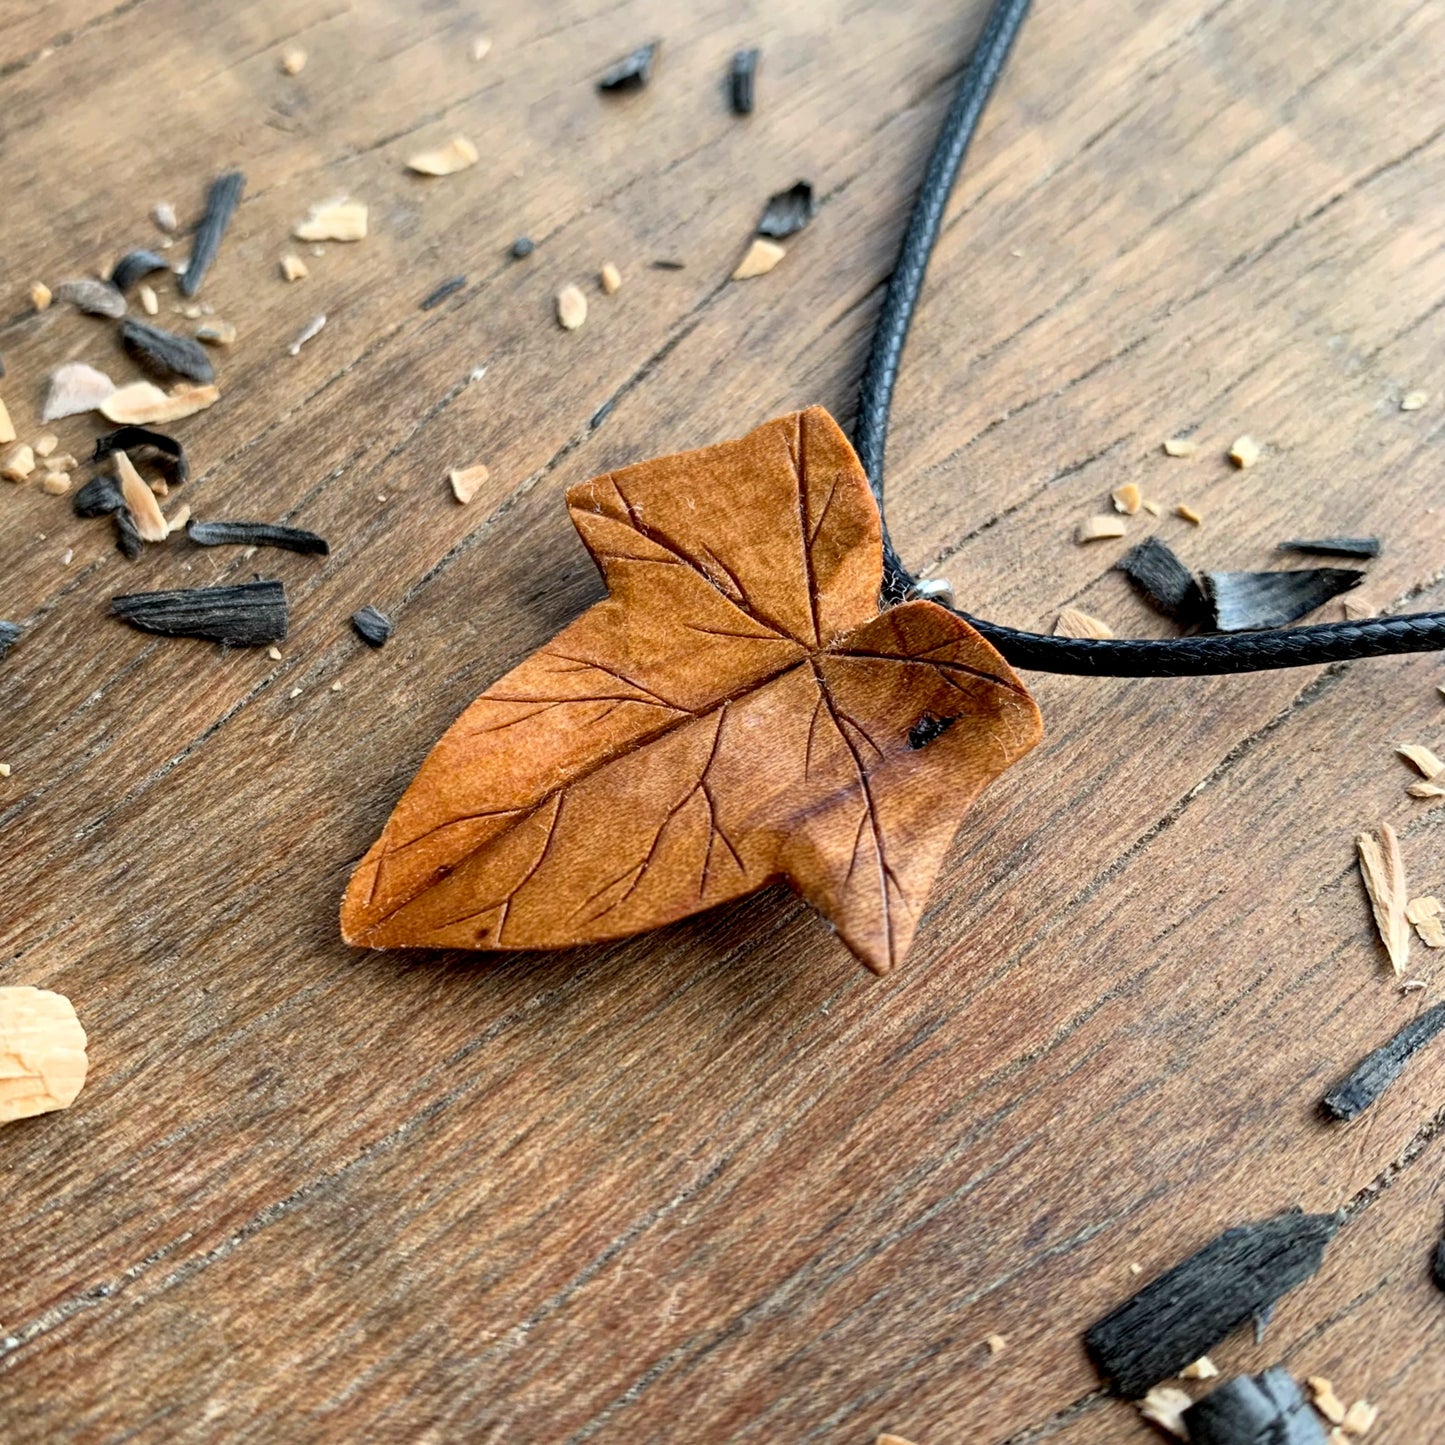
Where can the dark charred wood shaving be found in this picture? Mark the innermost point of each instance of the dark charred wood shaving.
(523, 246)
(165, 353)
(135, 265)
(1378, 1070)
(221, 203)
(1334, 546)
(787, 212)
(9, 636)
(1437, 1265)
(666, 265)
(741, 80)
(372, 627)
(256, 534)
(127, 536)
(99, 497)
(1265, 1409)
(449, 287)
(1155, 570)
(632, 72)
(1184, 1313)
(1241, 601)
(96, 298)
(166, 449)
(250, 615)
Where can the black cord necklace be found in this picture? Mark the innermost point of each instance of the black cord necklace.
(1176, 657)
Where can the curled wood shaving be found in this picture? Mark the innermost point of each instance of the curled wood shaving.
(1414, 400)
(571, 307)
(7, 427)
(1432, 788)
(1422, 758)
(1424, 913)
(1359, 1418)
(467, 481)
(611, 279)
(1073, 623)
(42, 1052)
(1164, 1406)
(1098, 529)
(17, 462)
(293, 60)
(144, 509)
(761, 257)
(142, 402)
(1245, 452)
(1324, 1399)
(456, 155)
(1383, 869)
(1180, 447)
(293, 268)
(342, 220)
(1183, 509)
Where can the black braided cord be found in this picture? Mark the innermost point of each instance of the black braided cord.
(1175, 657)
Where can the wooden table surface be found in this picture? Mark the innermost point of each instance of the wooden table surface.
(715, 1183)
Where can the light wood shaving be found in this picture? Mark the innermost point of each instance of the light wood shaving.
(1153, 508)
(1359, 1418)
(149, 301)
(1324, 1399)
(1414, 400)
(457, 155)
(1424, 913)
(611, 279)
(176, 521)
(42, 1052)
(293, 60)
(1180, 447)
(1183, 509)
(997, 1344)
(1164, 1406)
(1245, 452)
(1431, 789)
(761, 257)
(467, 481)
(60, 462)
(1383, 869)
(293, 268)
(42, 446)
(481, 47)
(342, 220)
(74, 388)
(1422, 758)
(274, 653)
(164, 215)
(142, 402)
(4, 770)
(1127, 499)
(1098, 529)
(312, 328)
(55, 484)
(1073, 623)
(7, 427)
(571, 307)
(40, 295)
(1202, 1369)
(17, 462)
(144, 509)
(216, 332)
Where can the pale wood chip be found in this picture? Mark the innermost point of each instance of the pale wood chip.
(1202, 1369)
(274, 653)
(447, 160)
(1359, 1418)
(293, 60)
(60, 462)
(1098, 529)
(17, 461)
(571, 307)
(149, 301)
(1426, 906)
(4, 770)
(307, 332)
(74, 388)
(1433, 788)
(40, 295)
(293, 268)
(1356, 607)
(1414, 400)
(42, 1052)
(142, 402)
(7, 427)
(1422, 758)
(216, 332)
(43, 445)
(1180, 447)
(1073, 623)
(1183, 509)
(144, 509)
(1383, 869)
(176, 521)
(1153, 508)
(342, 220)
(481, 47)
(1164, 1406)
(1127, 499)
(1425, 913)
(1324, 1399)
(1245, 452)
(467, 481)
(997, 1344)
(611, 279)
(892, 1440)
(56, 484)
(761, 257)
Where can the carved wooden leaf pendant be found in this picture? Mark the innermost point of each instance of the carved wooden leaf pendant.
(736, 712)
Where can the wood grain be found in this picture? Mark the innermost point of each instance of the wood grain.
(714, 1183)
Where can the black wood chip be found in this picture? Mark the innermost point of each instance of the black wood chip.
(251, 615)
(1183, 1314)
(787, 212)
(256, 534)
(632, 72)
(97, 298)
(1155, 570)
(9, 636)
(523, 246)
(1437, 1265)
(372, 627)
(99, 497)
(135, 264)
(667, 265)
(1244, 600)
(165, 353)
(741, 80)
(1265, 1409)
(221, 203)
(1334, 546)
(1377, 1071)
(168, 451)
(449, 287)
(127, 538)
